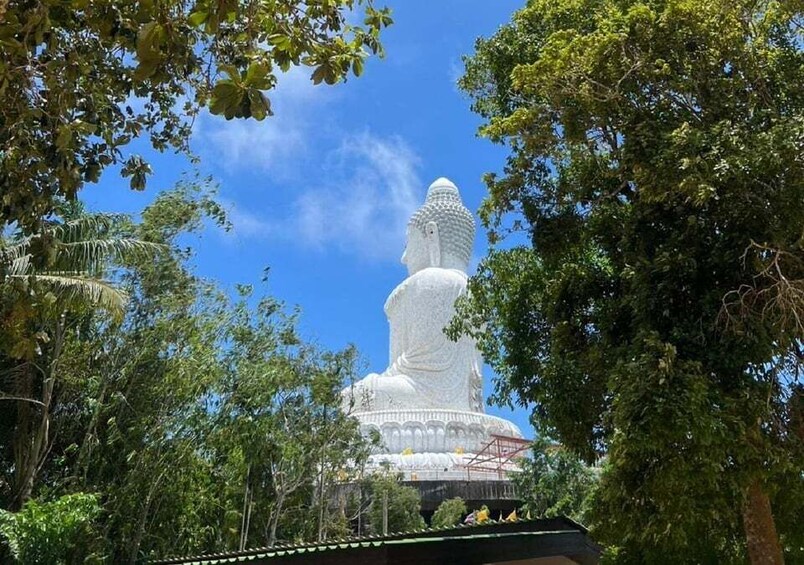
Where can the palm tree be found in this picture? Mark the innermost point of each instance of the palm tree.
(77, 252)
(46, 279)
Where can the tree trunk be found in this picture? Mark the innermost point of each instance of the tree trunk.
(31, 443)
(30, 436)
(760, 529)
(274, 522)
(321, 485)
(245, 519)
(23, 448)
(136, 542)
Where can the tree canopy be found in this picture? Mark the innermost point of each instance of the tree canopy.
(644, 287)
(79, 80)
(194, 421)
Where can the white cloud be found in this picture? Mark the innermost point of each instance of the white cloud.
(246, 224)
(366, 190)
(248, 143)
(455, 72)
(268, 145)
(355, 192)
(364, 207)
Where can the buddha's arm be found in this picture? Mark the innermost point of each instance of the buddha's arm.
(424, 309)
(397, 339)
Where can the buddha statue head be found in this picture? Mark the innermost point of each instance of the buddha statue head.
(441, 233)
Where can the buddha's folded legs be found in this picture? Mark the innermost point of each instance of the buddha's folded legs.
(381, 392)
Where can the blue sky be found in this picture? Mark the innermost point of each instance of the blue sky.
(321, 192)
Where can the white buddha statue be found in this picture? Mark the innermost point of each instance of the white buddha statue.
(426, 369)
(427, 406)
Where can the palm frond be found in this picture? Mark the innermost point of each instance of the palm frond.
(91, 254)
(86, 227)
(15, 250)
(77, 250)
(20, 266)
(75, 289)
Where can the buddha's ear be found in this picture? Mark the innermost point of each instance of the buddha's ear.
(433, 243)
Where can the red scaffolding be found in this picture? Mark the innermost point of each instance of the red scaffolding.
(497, 456)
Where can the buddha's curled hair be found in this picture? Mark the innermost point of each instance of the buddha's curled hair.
(456, 225)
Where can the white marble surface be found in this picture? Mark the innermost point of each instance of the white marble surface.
(426, 369)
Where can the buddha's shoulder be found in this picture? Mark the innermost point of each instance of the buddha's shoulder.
(434, 280)
(437, 274)
(430, 285)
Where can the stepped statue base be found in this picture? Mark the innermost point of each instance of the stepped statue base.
(427, 443)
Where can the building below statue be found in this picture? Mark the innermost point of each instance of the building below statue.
(427, 405)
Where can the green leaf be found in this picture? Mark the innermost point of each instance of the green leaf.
(319, 74)
(281, 42)
(257, 76)
(232, 72)
(148, 39)
(197, 18)
(357, 66)
(64, 138)
(145, 69)
(226, 98)
(259, 105)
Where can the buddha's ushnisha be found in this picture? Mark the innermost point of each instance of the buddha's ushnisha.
(426, 369)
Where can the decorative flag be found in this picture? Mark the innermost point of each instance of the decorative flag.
(512, 516)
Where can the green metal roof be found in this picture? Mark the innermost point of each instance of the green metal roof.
(490, 530)
(212, 560)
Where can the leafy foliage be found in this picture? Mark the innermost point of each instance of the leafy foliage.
(554, 482)
(60, 263)
(51, 533)
(205, 423)
(449, 513)
(79, 80)
(644, 290)
(279, 417)
(50, 282)
(403, 503)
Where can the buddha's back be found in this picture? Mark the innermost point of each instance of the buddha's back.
(445, 373)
